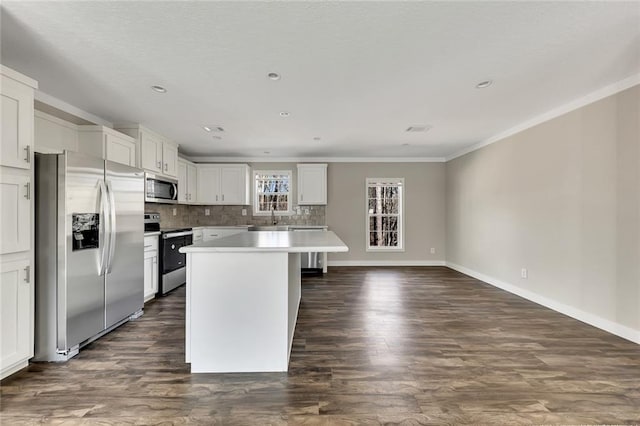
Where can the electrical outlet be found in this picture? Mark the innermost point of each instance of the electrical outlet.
(175, 211)
(207, 212)
(244, 212)
(306, 211)
(524, 273)
(433, 250)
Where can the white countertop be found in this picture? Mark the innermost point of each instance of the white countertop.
(222, 226)
(272, 241)
(151, 233)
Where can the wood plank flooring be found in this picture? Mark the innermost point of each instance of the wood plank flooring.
(405, 345)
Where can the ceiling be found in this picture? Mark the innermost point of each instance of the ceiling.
(354, 74)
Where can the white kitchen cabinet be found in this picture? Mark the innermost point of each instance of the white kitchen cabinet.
(16, 315)
(16, 145)
(187, 182)
(107, 143)
(54, 135)
(151, 152)
(213, 233)
(151, 254)
(16, 222)
(312, 184)
(16, 192)
(170, 159)
(223, 184)
(208, 184)
(157, 154)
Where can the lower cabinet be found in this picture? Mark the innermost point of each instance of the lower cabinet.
(213, 233)
(150, 267)
(16, 314)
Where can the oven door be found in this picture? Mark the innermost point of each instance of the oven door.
(172, 259)
(159, 189)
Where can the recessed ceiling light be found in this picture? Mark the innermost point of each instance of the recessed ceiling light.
(284, 113)
(159, 89)
(418, 128)
(484, 84)
(267, 152)
(273, 76)
(212, 128)
(216, 137)
(317, 138)
(405, 144)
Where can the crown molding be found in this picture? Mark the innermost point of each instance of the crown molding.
(210, 159)
(70, 109)
(592, 97)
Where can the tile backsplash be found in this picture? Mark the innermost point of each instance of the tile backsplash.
(230, 215)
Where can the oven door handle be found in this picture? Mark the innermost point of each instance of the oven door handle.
(176, 234)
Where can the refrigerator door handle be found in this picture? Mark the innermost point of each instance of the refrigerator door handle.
(103, 230)
(112, 225)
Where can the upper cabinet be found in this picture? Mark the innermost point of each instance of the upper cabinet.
(107, 143)
(157, 154)
(16, 146)
(187, 182)
(312, 184)
(223, 184)
(54, 135)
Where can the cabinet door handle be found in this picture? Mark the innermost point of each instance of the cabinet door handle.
(27, 186)
(150, 245)
(166, 167)
(160, 165)
(301, 197)
(222, 197)
(216, 198)
(28, 149)
(27, 274)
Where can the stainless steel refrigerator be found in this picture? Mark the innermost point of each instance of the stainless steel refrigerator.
(89, 250)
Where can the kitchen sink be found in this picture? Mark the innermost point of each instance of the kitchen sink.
(270, 228)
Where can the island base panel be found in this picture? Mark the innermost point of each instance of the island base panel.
(239, 311)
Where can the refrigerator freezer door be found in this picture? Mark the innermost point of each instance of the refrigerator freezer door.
(81, 245)
(125, 276)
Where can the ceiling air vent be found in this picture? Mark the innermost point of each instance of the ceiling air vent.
(418, 128)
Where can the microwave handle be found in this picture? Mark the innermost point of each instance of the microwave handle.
(174, 191)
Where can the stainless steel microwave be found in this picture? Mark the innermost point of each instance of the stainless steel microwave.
(160, 189)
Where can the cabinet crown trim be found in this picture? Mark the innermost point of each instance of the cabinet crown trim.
(20, 78)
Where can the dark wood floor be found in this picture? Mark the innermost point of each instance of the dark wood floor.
(372, 345)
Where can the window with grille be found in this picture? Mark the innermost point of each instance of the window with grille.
(385, 214)
(272, 192)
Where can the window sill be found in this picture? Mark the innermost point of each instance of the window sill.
(277, 214)
(385, 249)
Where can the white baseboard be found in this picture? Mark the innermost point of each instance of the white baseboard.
(386, 263)
(586, 317)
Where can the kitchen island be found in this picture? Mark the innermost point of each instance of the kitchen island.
(243, 294)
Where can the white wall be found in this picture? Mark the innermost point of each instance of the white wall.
(561, 199)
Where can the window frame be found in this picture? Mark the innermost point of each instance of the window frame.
(402, 192)
(290, 198)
